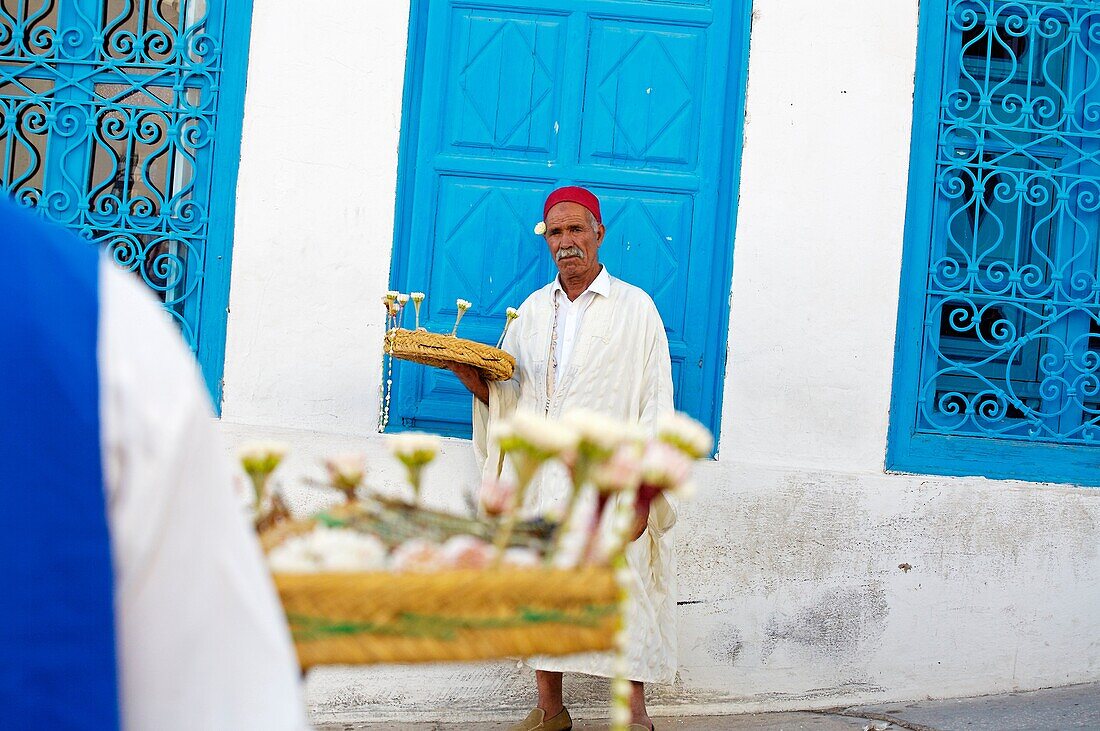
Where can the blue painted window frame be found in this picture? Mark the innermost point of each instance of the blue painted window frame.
(908, 450)
(235, 25)
(214, 313)
(727, 202)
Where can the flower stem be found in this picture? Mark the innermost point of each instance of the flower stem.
(620, 686)
(414, 480)
(259, 482)
(504, 535)
(525, 472)
(588, 556)
(566, 521)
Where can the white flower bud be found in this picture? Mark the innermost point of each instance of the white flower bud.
(525, 558)
(686, 434)
(417, 555)
(328, 549)
(466, 552)
(601, 432)
(621, 472)
(413, 447)
(346, 471)
(664, 467)
(546, 437)
(262, 457)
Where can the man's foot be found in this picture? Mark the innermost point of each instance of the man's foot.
(537, 721)
(640, 727)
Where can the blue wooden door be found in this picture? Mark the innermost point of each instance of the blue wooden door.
(641, 101)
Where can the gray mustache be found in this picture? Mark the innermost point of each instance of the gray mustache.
(571, 251)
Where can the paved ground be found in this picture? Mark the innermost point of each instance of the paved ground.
(1055, 709)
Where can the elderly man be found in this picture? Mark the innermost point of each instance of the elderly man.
(588, 340)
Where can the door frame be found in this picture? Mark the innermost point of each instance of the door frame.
(729, 181)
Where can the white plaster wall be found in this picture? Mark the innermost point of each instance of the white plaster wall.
(315, 206)
(791, 555)
(818, 244)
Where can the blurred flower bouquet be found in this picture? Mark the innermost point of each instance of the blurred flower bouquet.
(379, 579)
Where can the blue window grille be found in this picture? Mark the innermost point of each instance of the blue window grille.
(121, 119)
(997, 368)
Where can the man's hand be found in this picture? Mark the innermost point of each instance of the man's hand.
(471, 379)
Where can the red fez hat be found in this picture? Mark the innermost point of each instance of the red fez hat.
(573, 194)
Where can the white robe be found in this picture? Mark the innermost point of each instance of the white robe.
(202, 642)
(620, 367)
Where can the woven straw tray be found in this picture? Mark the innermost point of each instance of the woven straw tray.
(364, 618)
(438, 350)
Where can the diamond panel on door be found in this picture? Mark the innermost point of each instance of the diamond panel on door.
(647, 245)
(505, 82)
(483, 251)
(641, 105)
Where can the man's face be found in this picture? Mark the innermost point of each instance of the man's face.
(574, 243)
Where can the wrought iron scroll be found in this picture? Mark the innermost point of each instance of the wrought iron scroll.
(1012, 310)
(107, 125)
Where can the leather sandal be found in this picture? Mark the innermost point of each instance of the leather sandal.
(537, 721)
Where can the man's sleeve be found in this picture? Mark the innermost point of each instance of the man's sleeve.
(202, 640)
(656, 391)
(657, 400)
(503, 399)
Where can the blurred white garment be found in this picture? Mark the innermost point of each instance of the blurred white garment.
(202, 642)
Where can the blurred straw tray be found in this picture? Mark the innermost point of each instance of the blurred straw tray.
(439, 351)
(365, 618)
